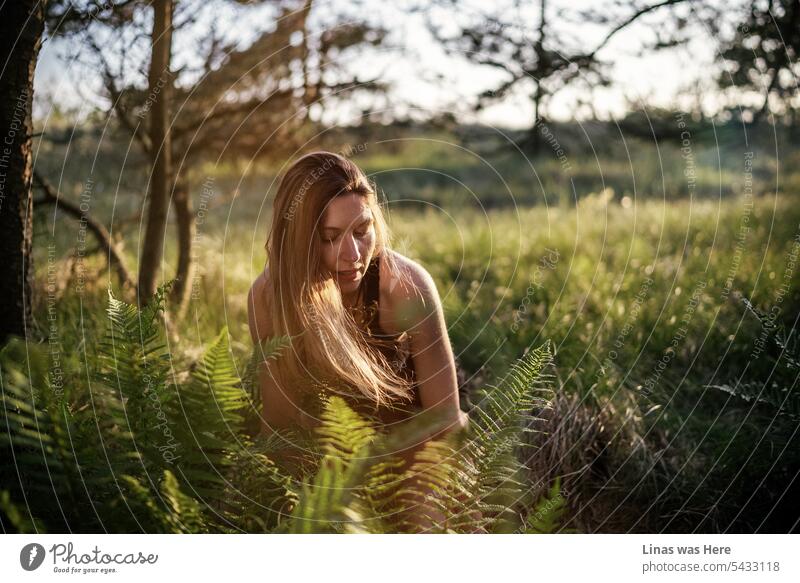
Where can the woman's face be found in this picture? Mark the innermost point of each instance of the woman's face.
(348, 241)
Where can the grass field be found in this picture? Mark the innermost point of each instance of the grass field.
(676, 404)
(644, 303)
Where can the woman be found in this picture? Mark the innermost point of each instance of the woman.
(365, 321)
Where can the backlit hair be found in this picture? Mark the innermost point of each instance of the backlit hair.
(327, 344)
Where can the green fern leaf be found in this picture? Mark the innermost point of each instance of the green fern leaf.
(548, 512)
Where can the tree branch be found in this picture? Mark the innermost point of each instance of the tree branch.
(630, 20)
(115, 258)
(116, 99)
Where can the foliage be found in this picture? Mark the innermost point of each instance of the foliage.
(781, 351)
(457, 483)
(547, 515)
(640, 447)
(140, 447)
(761, 56)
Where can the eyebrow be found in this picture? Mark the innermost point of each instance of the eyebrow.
(366, 221)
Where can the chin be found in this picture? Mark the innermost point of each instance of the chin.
(349, 286)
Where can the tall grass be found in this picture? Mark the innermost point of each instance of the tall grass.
(641, 287)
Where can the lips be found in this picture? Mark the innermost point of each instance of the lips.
(348, 275)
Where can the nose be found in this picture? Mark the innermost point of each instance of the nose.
(348, 252)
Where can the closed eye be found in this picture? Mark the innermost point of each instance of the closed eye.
(364, 230)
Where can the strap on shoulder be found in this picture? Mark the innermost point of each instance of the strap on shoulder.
(372, 282)
(372, 292)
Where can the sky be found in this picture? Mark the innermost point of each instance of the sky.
(425, 79)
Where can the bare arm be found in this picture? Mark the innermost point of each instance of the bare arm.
(420, 313)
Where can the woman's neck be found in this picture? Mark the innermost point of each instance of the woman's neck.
(350, 301)
(353, 299)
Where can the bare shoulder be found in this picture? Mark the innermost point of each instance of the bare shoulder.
(258, 299)
(411, 291)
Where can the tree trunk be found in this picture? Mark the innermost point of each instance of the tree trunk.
(182, 205)
(534, 138)
(158, 101)
(21, 26)
(310, 94)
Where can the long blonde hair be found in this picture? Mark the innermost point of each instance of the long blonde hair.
(327, 343)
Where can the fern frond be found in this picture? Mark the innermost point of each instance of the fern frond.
(134, 361)
(14, 520)
(263, 497)
(547, 514)
(440, 489)
(216, 373)
(498, 426)
(172, 512)
(343, 432)
(268, 349)
(185, 512)
(329, 502)
(33, 463)
(206, 413)
(67, 453)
